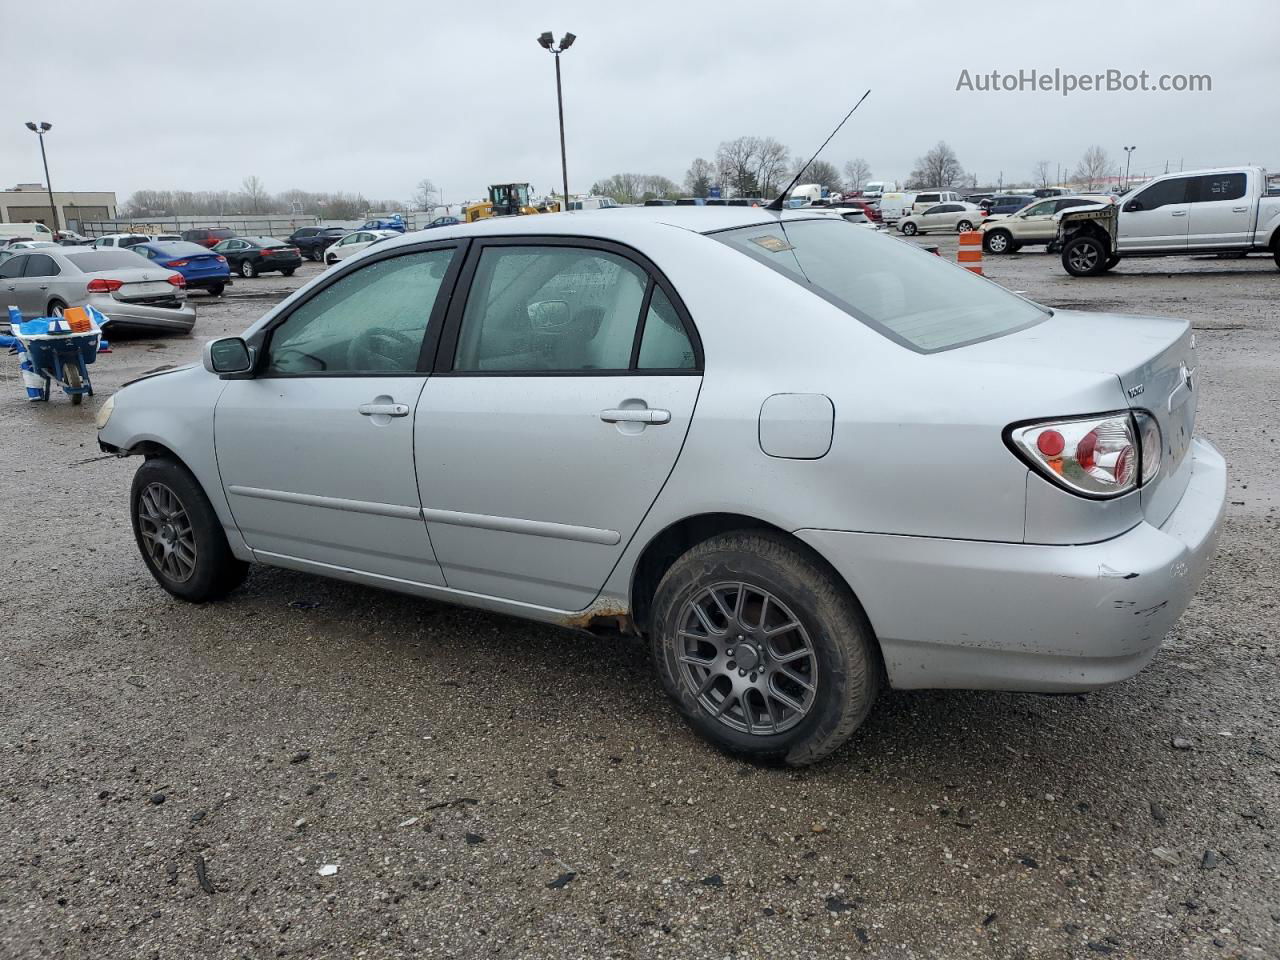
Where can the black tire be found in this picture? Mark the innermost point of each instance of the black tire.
(964, 226)
(216, 571)
(1275, 250)
(289, 272)
(316, 253)
(56, 307)
(1084, 256)
(1111, 262)
(910, 229)
(216, 289)
(844, 660)
(248, 270)
(998, 241)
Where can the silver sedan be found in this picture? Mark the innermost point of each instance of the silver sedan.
(128, 289)
(803, 459)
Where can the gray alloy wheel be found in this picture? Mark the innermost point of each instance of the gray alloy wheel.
(166, 532)
(997, 241)
(247, 270)
(910, 229)
(1084, 256)
(964, 226)
(747, 659)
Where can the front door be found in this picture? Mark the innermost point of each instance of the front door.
(316, 451)
(13, 292)
(1156, 217)
(565, 389)
(1221, 215)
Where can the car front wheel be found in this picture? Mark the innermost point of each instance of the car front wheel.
(1084, 256)
(997, 241)
(910, 229)
(179, 535)
(763, 650)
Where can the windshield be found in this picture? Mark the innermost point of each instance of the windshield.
(915, 299)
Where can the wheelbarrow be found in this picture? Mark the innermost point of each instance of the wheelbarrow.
(59, 350)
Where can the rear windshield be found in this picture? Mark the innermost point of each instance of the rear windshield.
(95, 260)
(912, 297)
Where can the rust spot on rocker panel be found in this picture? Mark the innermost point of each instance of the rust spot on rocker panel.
(603, 616)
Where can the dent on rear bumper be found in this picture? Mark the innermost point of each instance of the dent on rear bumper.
(1011, 616)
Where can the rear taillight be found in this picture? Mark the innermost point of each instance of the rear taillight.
(221, 258)
(1102, 456)
(177, 279)
(177, 263)
(102, 285)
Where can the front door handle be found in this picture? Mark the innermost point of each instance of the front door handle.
(1239, 209)
(1179, 213)
(636, 415)
(383, 409)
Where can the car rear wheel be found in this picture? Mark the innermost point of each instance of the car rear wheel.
(248, 270)
(1084, 256)
(997, 241)
(910, 229)
(763, 650)
(289, 272)
(181, 540)
(56, 307)
(216, 289)
(964, 226)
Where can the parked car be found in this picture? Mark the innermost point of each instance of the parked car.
(1224, 210)
(1033, 224)
(859, 538)
(442, 222)
(127, 288)
(25, 231)
(119, 241)
(202, 268)
(593, 203)
(1005, 203)
(208, 236)
(312, 242)
(29, 245)
(869, 208)
(353, 243)
(931, 198)
(657, 202)
(395, 223)
(250, 256)
(691, 202)
(69, 238)
(957, 217)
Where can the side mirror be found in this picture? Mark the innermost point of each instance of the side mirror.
(549, 316)
(1133, 205)
(227, 356)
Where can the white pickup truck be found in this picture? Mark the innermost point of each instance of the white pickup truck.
(1226, 210)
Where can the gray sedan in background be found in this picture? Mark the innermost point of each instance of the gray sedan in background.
(128, 289)
(802, 458)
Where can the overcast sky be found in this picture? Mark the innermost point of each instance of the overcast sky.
(373, 96)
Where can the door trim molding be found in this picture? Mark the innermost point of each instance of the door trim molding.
(393, 510)
(534, 528)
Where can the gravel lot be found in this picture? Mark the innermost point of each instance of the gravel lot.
(174, 779)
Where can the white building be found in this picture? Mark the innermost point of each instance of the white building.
(30, 201)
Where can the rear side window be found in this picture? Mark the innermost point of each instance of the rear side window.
(1219, 186)
(664, 345)
(542, 309)
(915, 299)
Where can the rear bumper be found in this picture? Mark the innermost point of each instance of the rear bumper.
(179, 319)
(204, 283)
(268, 266)
(1009, 616)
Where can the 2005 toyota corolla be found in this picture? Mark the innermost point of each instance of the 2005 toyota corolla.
(802, 458)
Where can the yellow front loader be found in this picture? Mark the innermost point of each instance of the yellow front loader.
(507, 200)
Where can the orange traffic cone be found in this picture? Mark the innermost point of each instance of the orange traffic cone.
(969, 255)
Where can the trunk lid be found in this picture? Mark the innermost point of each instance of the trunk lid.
(1154, 362)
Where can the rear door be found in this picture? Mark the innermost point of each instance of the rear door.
(1156, 217)
(316, 451)
(565, 385)
(1221, 214)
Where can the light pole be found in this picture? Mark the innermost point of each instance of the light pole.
(40, 130)
(1128, 156)
(548, 43)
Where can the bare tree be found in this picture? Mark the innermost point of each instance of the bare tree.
(940, 167)
(255, 193)
(698, 178)
(771, 166)
(822, 173)
(1092, 167)
(636, 187)
(1040, 173)
(856, 172)
(424, 197)
(737, 166)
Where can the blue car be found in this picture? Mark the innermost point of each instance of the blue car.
(200, 267)
(390, 223)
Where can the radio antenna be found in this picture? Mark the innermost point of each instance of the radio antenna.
(777, 204)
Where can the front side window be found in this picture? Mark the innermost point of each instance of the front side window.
(1161, 194)
(11, 269)
(41, 265)
(911, 297)
(373, 320)
(550, 308)
(1040, 209)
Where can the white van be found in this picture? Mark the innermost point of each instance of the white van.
(592, 203)
(29, 231)
(894, 206)
(930, 198)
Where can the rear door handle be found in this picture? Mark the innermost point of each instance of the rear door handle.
(1179, 213)
(1239, 209)
(383, 409)
(636, 415)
